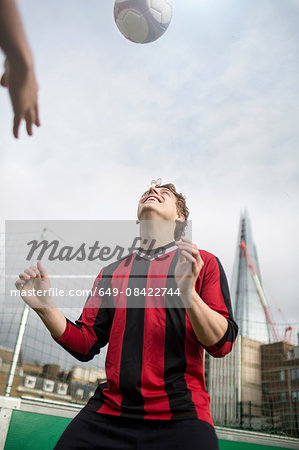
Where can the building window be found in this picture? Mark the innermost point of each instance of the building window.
(295, 374)
(290, 354)
(283, 396)
(30, 381)
(79, 393)
(295, 395)
(282, 375)
(48, 385)
(62, 388)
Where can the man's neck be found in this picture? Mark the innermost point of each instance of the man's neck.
(156, 233)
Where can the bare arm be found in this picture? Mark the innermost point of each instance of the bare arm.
(208, 325)
(12, 36)
(19, 76)
(37, 278)
(54, 321)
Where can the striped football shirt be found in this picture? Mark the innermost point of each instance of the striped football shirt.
(154, 363)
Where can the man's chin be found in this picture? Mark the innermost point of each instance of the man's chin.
(146, 209)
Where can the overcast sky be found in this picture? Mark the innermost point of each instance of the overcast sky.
(211, 106)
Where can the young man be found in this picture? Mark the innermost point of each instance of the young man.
(172, 302)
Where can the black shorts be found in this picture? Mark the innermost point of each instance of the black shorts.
(92, 430)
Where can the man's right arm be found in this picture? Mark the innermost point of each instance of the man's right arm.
(54, 320)
(82, 339)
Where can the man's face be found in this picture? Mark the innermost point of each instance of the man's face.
(158, 203)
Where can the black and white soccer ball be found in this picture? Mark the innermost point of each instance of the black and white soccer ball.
(142, 21)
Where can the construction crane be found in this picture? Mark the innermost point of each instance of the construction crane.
(286, 331)
(260, 291)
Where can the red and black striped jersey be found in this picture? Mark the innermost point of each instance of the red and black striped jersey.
(154, 363)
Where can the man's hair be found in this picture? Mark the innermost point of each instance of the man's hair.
(181, 207)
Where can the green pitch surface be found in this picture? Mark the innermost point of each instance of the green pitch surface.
(31, 431)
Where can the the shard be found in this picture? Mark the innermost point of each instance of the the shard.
(234, 382)
(249, 312)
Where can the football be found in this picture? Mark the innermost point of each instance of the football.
(142, 21)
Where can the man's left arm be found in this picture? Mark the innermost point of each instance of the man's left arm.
(209, 311)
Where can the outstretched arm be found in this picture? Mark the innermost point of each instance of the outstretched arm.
(82, 339)
(19, 76)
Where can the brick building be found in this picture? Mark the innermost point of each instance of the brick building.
(280, 386)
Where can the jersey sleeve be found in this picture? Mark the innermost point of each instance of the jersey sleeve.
(84, 338)
(214, 291)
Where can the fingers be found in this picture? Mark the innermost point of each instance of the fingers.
(189, 247)
(3, 80)
(19, 284)
(186, 240)
(24, 276)
(190, 252)
(16, 124)
(188, 256)
(31, 118)
(42, 270)
(36, 271)
(37, 121)
(30, 272)
(33, 272)
(23, 91)
(29, 121)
